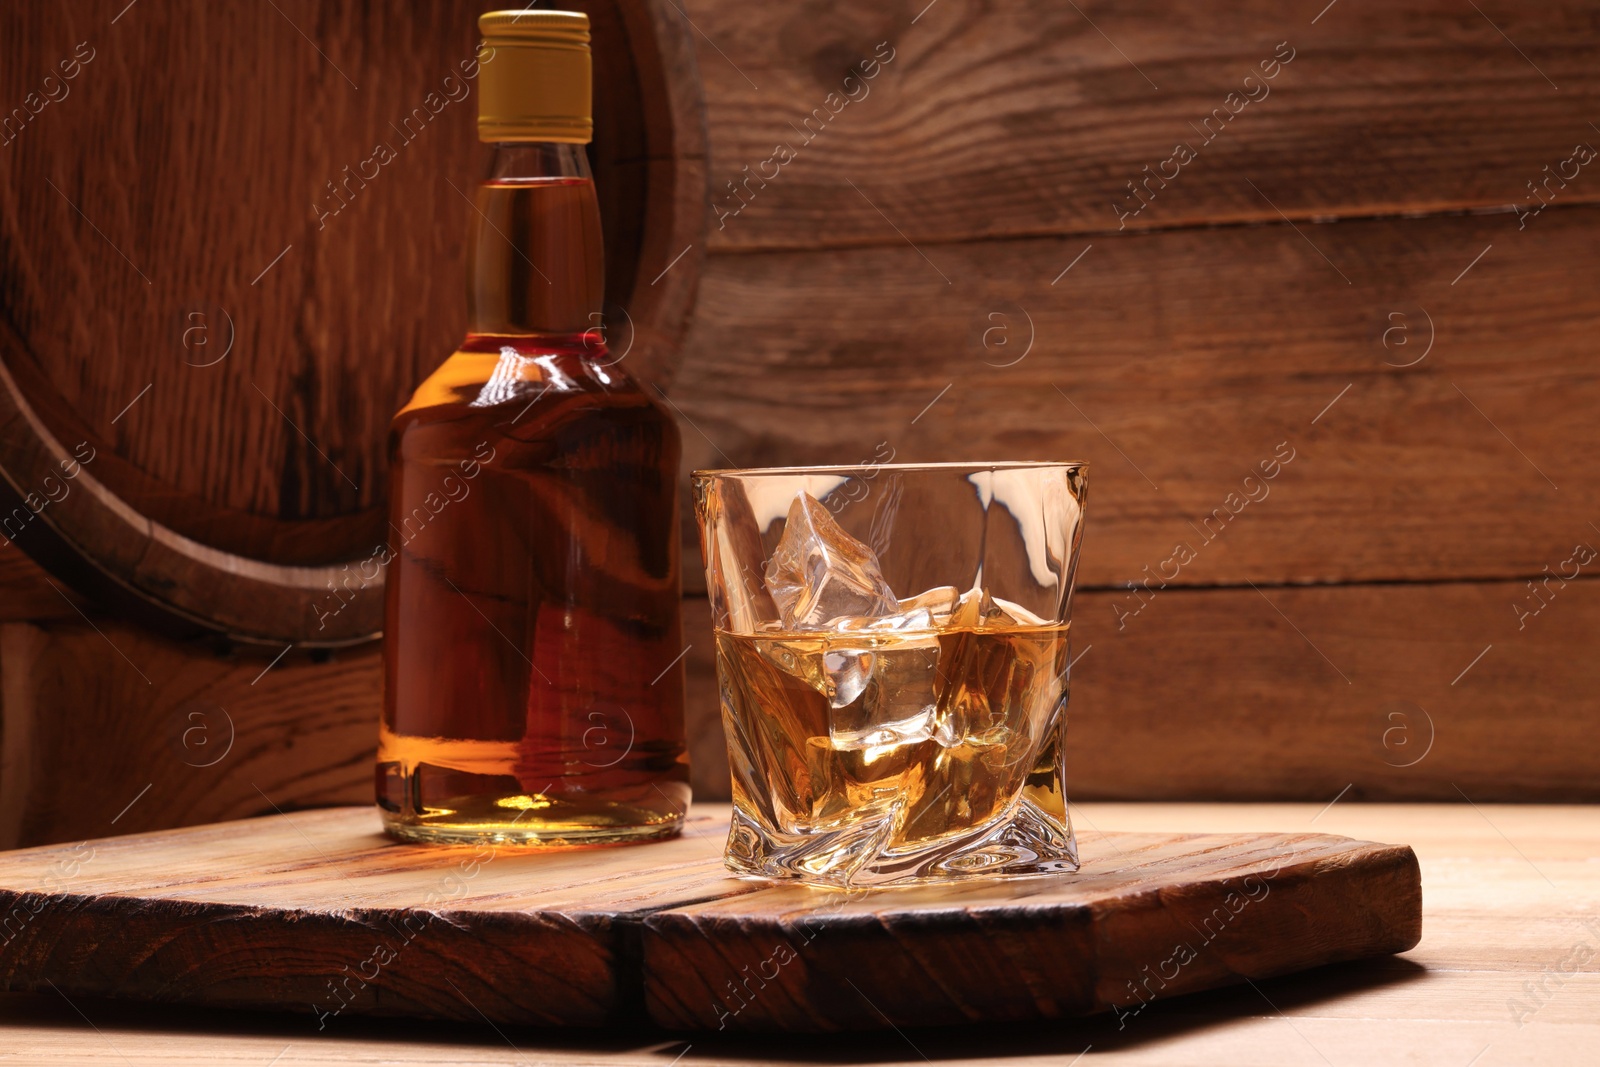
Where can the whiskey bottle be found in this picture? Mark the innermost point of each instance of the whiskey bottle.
(533, 668)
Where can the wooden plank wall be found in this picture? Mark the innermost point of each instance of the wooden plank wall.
(1347, 271)
(1344, 266)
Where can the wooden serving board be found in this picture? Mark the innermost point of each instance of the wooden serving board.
(319, 912)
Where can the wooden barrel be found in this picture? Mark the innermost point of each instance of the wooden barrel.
(232, 240)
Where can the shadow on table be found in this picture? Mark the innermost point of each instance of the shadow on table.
(1156, 1021)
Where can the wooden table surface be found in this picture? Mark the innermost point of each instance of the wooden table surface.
(1508, 971)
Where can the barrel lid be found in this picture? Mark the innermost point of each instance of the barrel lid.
(197, 371)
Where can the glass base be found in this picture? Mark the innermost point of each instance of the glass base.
(1025, 841)
(537, 821)
(553, 837)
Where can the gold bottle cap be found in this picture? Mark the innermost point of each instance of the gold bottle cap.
(533, 80)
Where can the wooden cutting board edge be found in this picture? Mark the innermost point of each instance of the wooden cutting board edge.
(686, 965)
(1077, 951)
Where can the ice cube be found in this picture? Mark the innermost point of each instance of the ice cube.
(977, 675)
(842, 667)
(978, 609)
(847, 671)
(799, 659)
(885, 689)
(903, 622)
(883, 679)
(820, 573)
(940, 602)
(1000, 612)
(960, 705)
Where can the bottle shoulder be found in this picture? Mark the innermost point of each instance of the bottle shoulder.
(482, 374)
(527, 383)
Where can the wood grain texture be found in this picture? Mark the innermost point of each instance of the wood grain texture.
(281, 912)
(1148, 916)
(1493, 925)
(1417, 692)
(1006, 120)
(72, 522)
(238, 392)
(107, 728)
(1394, 692)
(25, 589)
(526, 939)
(1176, 363)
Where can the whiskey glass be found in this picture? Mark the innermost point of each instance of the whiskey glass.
(893, 662)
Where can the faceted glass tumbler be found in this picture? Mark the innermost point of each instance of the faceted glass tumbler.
(892, 658)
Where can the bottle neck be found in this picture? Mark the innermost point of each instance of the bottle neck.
(535, 260)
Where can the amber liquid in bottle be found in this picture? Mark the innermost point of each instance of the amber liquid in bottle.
(534, 681)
